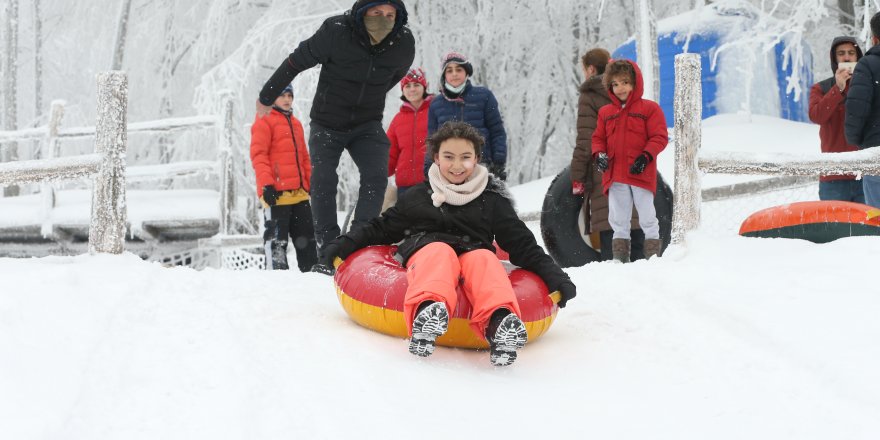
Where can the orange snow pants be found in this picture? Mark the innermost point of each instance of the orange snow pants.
(434, 272)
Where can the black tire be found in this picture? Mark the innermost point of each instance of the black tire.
(561, 231)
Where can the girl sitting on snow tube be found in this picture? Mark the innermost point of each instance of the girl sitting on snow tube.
(445, 229)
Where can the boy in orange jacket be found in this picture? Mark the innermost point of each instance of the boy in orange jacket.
(630, 133)
(283, 170)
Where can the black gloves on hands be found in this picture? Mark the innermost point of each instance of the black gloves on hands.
(638, 166)
(567, 291)
(602, 162)
(270, 195)
(341, 247)
(499, 170)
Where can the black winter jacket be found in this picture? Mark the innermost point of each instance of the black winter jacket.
(417, 222)
(862, 124)
(355, 76)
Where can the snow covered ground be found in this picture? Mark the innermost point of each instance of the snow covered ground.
(724, 338)
(728, 339)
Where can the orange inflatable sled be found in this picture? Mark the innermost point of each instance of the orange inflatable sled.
(818, 221)
(371, 285)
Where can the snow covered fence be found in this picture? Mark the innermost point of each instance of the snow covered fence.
(107, 225)
(108, 218)
(688, 104)
(690, 163)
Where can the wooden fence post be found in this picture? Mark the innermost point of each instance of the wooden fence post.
(107, 225)
(688, 109)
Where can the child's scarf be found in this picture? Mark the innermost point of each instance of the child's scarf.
(446, 192)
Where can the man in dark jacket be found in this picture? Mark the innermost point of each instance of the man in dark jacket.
(363, 54)
(827, 99)
(862, 126)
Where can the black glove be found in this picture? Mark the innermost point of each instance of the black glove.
(270, 195)
(567, 291)
(602, 162)
(499, 170)
(638, 167)
(341, 247)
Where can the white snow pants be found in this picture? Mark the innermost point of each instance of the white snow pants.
(621, 198)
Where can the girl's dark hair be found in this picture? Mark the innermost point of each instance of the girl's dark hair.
(597, 58)
(455, 130)
(619, 68)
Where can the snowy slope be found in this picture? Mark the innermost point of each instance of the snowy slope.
(728, 339)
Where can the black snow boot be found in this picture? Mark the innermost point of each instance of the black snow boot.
(431, 321)
(506, 334)
(277, 250)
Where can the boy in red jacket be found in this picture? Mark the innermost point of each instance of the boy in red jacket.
(630, 133)
(283, 169)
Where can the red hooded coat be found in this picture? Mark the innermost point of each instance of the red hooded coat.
(407, 134)
(279, 153)
(624, 131)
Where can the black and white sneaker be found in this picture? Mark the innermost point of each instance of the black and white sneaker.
(431, 321)
(506, 335)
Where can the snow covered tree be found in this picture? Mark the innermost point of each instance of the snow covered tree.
(10, 74)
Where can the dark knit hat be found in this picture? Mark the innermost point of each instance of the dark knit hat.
(288, 89)
(461, 60)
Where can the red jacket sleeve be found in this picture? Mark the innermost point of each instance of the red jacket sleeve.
(599, 139)
(394, 150)
(261, 140)
(822, 107)
(658, 136)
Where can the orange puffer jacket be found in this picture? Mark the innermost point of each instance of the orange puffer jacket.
(279, 153)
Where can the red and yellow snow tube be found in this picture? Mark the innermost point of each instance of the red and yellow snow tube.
(371, 286)
(817, 221)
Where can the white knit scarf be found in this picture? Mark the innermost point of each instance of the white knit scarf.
(447, 192)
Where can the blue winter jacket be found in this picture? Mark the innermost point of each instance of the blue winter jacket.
(476, 106)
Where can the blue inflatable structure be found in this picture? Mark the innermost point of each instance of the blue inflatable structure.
(705, 42)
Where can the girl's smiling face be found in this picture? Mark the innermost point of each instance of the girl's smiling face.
(457, 160)
(621, 86)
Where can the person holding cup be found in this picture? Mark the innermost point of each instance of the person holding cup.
(827, 98)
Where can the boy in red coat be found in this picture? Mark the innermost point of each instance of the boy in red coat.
(630, 133)
(283, 169)
(408, 131)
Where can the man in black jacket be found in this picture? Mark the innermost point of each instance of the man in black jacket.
(862, 125)
(363, 54)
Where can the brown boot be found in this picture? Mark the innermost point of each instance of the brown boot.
(620, 249)
(652, 247)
